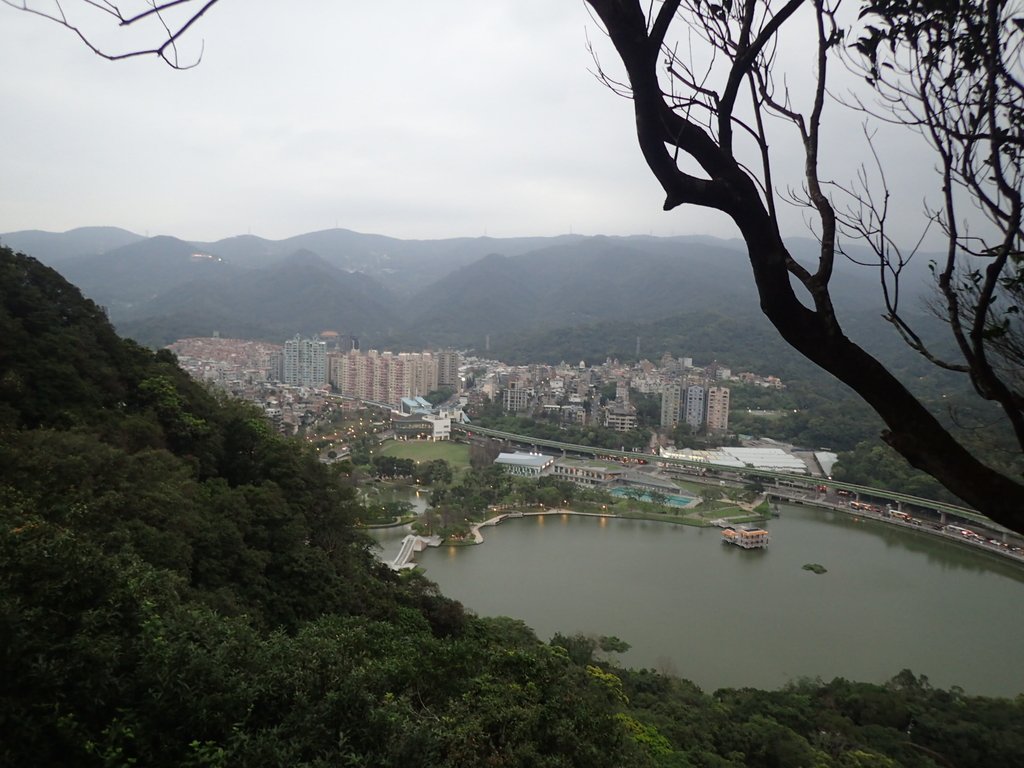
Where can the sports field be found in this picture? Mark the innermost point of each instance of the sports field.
(456, 454)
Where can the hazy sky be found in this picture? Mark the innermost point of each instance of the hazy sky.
(410, 119)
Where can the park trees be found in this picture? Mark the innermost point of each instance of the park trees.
(702, 78)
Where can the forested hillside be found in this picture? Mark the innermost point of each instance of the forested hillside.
(180, 587)
(413, 293)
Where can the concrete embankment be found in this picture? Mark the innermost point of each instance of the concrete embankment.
(927, 527)
(479, 538)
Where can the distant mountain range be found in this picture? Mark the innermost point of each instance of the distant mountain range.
(466, 292)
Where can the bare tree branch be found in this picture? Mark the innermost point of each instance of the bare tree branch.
(668, 132)
(185, 14)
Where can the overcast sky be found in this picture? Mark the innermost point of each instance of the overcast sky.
(403, 118)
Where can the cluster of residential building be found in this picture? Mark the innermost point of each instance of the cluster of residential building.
(235, 365)
(387, 377)
(696, 396)
(699, 405)
(321, 362)
(297, 381)
(384, 377)
(309, 368)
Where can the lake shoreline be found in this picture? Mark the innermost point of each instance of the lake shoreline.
(666, 590)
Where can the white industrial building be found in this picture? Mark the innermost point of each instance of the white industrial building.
(524, 464)
(770, 459)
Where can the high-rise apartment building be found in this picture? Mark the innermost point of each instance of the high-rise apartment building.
(384, 377)
(694, 406)
(718, 409)
(516, 396)
(448, 369)
(275, 365)
(305, 362)
(671, 404)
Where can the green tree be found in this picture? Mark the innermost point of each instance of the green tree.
(438, 396)
(709, 494)
(612, 644)
(657, 497)
(435, 471)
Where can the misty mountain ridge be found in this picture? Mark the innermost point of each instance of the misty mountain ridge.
(300, 294)
(121, 278)
(56, 246)
(394, 292)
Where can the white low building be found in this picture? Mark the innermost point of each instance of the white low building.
(524, 464)
(770, 459)
(441, 426)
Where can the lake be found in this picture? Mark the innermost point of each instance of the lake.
(891, 598)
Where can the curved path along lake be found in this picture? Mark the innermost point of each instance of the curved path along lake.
(721, 616)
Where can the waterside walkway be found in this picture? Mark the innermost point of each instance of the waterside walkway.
(412, 544)
(478, 537)
(999, 547)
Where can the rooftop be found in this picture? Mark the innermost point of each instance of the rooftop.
(522, 459)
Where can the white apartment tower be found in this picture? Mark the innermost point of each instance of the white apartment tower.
(305, 362)
(694, 406)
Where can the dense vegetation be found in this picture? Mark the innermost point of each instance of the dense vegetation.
(179, 586)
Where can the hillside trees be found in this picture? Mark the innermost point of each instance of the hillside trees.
(175, 599)
(702, 106)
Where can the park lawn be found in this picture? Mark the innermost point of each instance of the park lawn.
(692, 488)
(726, 510)
(456, 454)
(713, 509)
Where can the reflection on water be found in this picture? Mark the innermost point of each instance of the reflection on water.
(382, 493)
(390, 539)
(941, 553)
(891, 598)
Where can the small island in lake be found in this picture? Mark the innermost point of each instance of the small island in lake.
(816, 567)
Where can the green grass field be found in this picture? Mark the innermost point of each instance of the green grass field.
(456, 454)
(691, 487)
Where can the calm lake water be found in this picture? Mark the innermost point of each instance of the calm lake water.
(721, 616)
